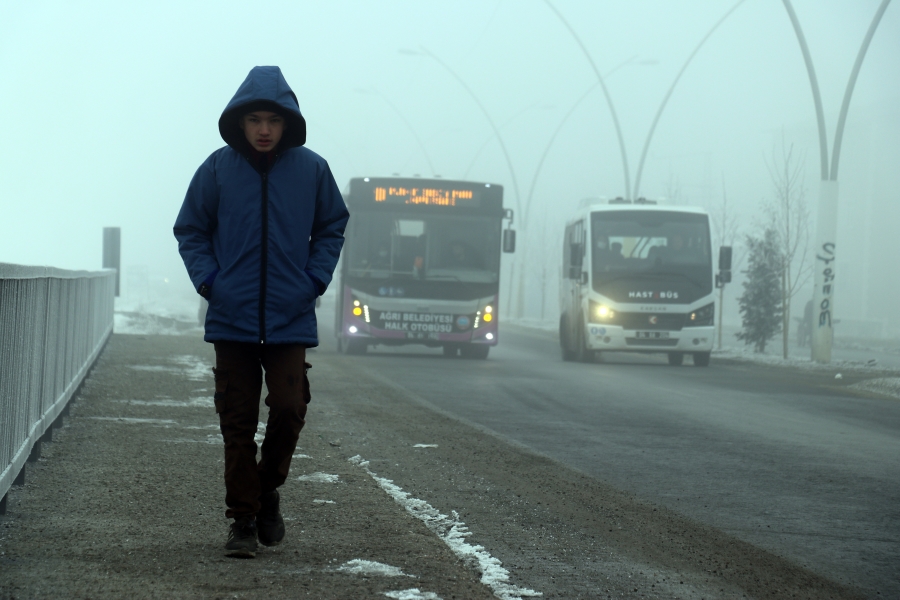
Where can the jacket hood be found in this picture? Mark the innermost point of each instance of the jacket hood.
(264, 89)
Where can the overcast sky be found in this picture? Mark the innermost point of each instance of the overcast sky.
(113, 105)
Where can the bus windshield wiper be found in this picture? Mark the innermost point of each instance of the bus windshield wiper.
(453, 277)
(661, 274)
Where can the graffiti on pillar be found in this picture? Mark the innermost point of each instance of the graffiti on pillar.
(827, 267)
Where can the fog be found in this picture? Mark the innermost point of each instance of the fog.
(114, 105)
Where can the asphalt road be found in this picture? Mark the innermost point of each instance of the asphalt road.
(793, 462)
(423, 477)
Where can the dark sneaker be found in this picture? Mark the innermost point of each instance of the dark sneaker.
(242, 538)
(269, 521)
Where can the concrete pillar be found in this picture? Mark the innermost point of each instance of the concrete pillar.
(824, 276)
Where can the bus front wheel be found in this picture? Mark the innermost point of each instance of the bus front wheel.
(582, 352)
(676, 358)
(477, 351)
(701, 359)
(451, 350)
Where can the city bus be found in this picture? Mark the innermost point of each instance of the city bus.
(421, 265)
(638, 277)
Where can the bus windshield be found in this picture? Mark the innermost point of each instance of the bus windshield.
(660, 244)
(427, 247)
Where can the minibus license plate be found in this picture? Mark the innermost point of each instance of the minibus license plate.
(652, 335)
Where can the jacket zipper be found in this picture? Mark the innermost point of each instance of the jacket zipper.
(264, 259)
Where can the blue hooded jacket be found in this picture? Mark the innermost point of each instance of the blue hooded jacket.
(261, 244)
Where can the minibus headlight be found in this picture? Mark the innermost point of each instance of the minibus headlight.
(601, 313)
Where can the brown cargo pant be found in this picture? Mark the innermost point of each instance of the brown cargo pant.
(238, 374)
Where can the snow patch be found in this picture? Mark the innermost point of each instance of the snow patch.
(196, 368)
(883, 385)
(136, 421)
(213, 438)
(453, 532)
(425, 446)
(358, 566)
(319, 478)
(190, 403)
(412, 594)
(139, 322)
(192, 367)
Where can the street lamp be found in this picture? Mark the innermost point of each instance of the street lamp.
(826, 226)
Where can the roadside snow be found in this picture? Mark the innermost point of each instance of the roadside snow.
(358, 566)
(453, 532)
(412, 594)
(319, 478)
(132, 420)
(883, 385)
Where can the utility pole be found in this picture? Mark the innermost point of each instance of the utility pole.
(826, 225)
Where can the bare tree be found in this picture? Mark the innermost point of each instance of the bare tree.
(789, 216)
(673, 191)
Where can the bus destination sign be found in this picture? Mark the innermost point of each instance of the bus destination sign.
(425, 196)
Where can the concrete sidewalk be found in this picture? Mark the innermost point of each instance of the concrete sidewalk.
(128, 501)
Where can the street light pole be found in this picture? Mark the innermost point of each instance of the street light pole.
(826, 226)
(512, 172)
(609, 102)
(662, 106)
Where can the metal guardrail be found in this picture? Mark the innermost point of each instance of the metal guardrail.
(53, 326)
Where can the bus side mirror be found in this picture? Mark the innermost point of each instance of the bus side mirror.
(724, 274)
(509, 240)
(576, 254)
(725, 260)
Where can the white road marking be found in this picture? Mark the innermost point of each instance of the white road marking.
(453, 532)
(425, 446)
(301, 456)
(323, 502)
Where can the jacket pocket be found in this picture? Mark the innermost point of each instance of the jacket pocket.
(307, 395)
(221, 376)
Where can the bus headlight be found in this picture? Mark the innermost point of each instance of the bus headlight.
(486, 315)
(601, 312)
(701, 317)
(357, 309)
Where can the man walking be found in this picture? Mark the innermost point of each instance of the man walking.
(260, 232)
